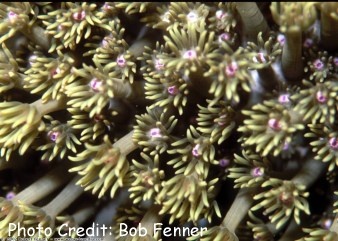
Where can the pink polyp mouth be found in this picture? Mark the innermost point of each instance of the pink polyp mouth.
(53, 135)
(318, 64)
(79, 16)
(106, 7)
(190, 54)
(335, 61)
(281, 39)
(274, 124)
(220, 15)
(105, 43)
(224, 37)
(192, 17)
(159, 65)
(155, 133)
(326, 223)
(284, 99)
(321, 98)
(308, 43)
(172, 90)
(333, 142)
(12, 16)
(260, 58)
(95, 84)
(10, 195)
(56, 71)
(195, 150)
(224, 162)
(121, 61)
(231, 69)
(257, 172)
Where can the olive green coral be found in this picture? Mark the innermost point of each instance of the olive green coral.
(250, 171)
(324, 143)
(146, 178)
(153, 130)
(188, 198)
(216, 120)
(317, 102)
(283, 200)
(9, 68)
(48, 76)
(270, 127)
(107, 160)
(71, 23)
(180, 113)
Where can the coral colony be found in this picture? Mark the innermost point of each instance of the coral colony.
(199, 121)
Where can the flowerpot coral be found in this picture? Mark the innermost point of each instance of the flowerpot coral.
(177, 120)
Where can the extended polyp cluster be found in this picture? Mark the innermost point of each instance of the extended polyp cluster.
(180, 105)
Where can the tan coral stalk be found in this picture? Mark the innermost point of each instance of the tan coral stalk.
(253, 19)
(43, 186)
(37, 35)
(329, 25)
(149, 219)
(292, 64)
(238, 209)
(292, 231)
(66, 197)
(49, 107)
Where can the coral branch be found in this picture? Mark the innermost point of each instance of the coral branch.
(49, 107)
(329, 25)
(37, 35)
(44, 186)
(292, 63)
(238, 209)
(253, 19)
(309, 173)
(126, 144)
(67, 196)
(292, 231)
